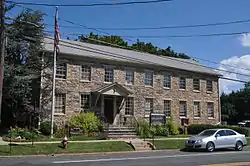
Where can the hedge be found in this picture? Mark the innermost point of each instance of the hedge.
(197, 128)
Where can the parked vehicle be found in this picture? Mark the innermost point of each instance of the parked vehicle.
(212, 139)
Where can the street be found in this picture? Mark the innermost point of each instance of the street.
(157, 158)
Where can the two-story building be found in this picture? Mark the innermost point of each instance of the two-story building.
(117, 84)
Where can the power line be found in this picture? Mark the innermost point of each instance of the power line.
(165, 27)
(89, 5)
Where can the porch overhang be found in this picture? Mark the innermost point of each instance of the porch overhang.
(114, 89)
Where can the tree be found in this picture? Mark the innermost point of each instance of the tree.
(138, 46)
(22, 65)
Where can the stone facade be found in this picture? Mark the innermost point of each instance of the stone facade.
(73, 86)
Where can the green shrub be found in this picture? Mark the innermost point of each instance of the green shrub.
(172, 128)
(162, 130)
(197, 128)
(60, 133)
(88, 122)
(143, 129)
(45, 128)
(21, 132)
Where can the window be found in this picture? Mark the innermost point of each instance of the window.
(85, 102)
(148, 78)
(210, 110)
(149, 105)
(182, 83)
(221, 133)
(230, 132)
(197, 111)
(60, 103)
(167, 80)
(196, 84)
(86, 73)
(129, 77)
(167, 108)
(61, 70)
(183, 109)
(209, 86)
(109, 74)
(129, 107)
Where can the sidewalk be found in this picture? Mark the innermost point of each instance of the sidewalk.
(85, 141)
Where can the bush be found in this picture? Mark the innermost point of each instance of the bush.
(161, 130)
(172, 128)
(143, 129)
(197, 128)
(88, 122)
(45, 127)
(21, 132)
(60, 133)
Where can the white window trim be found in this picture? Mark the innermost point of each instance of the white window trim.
(90, 99)
(197, 117)
(89, 65)
(132, 70)
(151, 71)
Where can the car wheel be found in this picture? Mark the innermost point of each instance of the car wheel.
(210, 147)
(239, 146)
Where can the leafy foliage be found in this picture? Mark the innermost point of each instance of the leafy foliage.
(173, 128)
(45, 127)
(197, 128)
(88, 122)
(22, 65)
(143, 129)
(235, 106)
(24, 133)
(139, 46)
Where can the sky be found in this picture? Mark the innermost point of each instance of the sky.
(224, 50)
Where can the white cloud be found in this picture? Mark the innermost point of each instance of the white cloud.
(237, 65)
(245, 40)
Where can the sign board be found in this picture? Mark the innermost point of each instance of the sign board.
(157, 119)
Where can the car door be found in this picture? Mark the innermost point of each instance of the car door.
(231, 138)
(220, 139)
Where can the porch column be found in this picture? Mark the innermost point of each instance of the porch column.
(115, 107)
(102, 105)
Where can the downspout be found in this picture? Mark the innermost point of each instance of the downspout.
(219, 104)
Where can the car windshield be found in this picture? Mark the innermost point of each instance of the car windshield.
(207, 133)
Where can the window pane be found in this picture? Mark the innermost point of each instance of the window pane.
(196, 84)
(167, 108)
(61, 70)
(210, 107)
(129, 108)
(197, 112)
(148, 78)
(85, 102)
(148, 105)
(109, 75)
(183, 109)
(209, 85)
(86, 73)
(129, 77)
(60, 103)
(182, 83)
(167, 81)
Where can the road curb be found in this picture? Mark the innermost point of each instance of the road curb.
(88, 154)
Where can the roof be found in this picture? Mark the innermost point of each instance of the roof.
(111, 53)
(113, 85)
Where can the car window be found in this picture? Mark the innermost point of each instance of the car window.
(230, 132)
(221, 133)
(207, 133)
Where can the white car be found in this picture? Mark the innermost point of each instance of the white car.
(212, 139)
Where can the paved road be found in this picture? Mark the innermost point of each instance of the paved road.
(172, 158)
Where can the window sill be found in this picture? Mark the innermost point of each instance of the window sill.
(183, 117)
(197, 117)
(166, 88)
(108, 82)
(209, 92)
(129, 84)
(59, 114)
(148, 86)
(182, 89)
(196, 91)
(210, 118)
(128, 116)
(60, 79)
(85, 81)
(146, 116)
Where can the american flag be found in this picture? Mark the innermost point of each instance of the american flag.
(57, 33)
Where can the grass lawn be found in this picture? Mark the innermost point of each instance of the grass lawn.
(175, 144)
(42, 138)
(72, 148)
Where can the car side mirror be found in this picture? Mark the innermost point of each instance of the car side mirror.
(217, 135)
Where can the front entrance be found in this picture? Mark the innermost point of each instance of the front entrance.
(109, 109)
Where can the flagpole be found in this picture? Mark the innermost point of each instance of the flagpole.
(54, 76)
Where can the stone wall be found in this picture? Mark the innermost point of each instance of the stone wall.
(73, 86)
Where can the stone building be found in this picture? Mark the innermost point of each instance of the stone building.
(119, 84)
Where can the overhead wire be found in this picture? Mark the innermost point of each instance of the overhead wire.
(89, 5)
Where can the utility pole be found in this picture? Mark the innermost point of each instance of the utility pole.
(2, 52)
